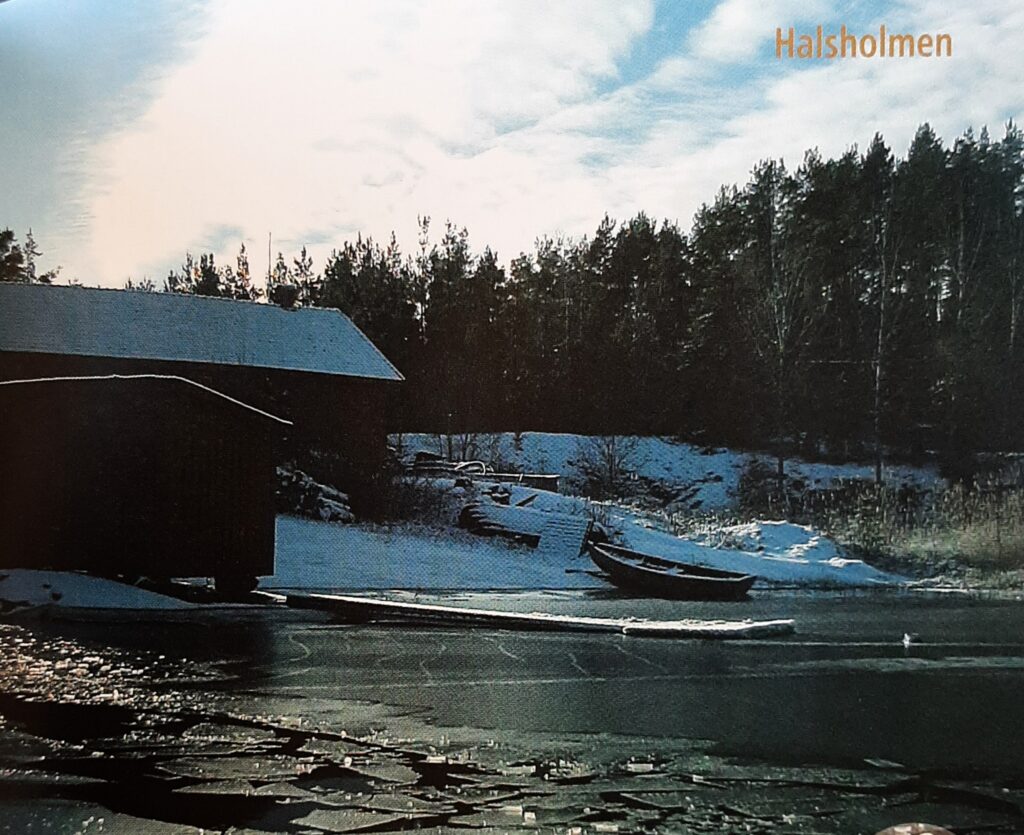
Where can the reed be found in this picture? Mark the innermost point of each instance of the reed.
(979, 525)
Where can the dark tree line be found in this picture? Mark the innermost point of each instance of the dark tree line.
(857, 306)
(861, 306)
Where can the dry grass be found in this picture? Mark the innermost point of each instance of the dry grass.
(963, 528)
(979, 526)
(972, 525)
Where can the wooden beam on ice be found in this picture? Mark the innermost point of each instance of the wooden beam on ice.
(357, 609)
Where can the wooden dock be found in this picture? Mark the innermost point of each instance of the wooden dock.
(355, 609)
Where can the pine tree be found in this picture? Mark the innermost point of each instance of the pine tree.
(720, 350)
(237, 283)
(31, 251)
(281, 289)
(18, 261)
(833, 414)
(198, 278)
(373, 286)
(884, 241)
(12, 258)
(305, 277)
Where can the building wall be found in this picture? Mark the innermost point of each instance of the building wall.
(339, 427)
(136, 477)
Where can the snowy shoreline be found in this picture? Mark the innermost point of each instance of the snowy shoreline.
(441, 558)
(322, 555)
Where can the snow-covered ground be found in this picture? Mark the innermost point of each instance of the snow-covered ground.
(779, 552)
(68, 590)
(332, 556)
(704, 479)
(701, 480)
(321, 555)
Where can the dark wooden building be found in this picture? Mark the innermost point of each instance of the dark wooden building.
(153, 476)
(313, 367)
(161, 463)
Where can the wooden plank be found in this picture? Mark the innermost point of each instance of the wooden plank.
(368, 609)
(563, 536)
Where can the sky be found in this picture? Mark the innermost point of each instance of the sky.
(134, 132)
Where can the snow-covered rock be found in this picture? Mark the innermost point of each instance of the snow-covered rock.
(298, 493)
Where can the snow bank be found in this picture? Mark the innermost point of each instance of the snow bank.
(779, 552)
(67, 590)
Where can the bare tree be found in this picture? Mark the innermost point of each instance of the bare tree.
(606, 460)
(886, 248)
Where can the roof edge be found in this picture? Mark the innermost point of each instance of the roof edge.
(172, 377)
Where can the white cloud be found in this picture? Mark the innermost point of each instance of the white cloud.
(319, 120)
(829, 105)
(736, 29)
(300, 118)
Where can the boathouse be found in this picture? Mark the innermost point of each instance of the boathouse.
(312, 367)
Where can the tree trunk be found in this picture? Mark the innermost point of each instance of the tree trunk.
(883, 298)
(1015, 303)
(878, 393)
(780, 434)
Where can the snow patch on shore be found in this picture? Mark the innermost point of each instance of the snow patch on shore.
(319, 555)
(778, 552)
(69, 590)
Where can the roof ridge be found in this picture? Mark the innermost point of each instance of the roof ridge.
(175, 294)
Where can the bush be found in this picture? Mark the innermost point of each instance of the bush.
(607, 464)
(426, 500)
(980, 525)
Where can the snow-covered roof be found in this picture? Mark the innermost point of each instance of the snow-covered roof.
(167, 326)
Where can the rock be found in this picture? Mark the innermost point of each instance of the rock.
(299, 494)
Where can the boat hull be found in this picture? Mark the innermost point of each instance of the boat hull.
(656, 577)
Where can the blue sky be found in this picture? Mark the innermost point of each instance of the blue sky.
(134, 131)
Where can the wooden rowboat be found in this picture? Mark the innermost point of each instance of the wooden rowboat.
(659, 577)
